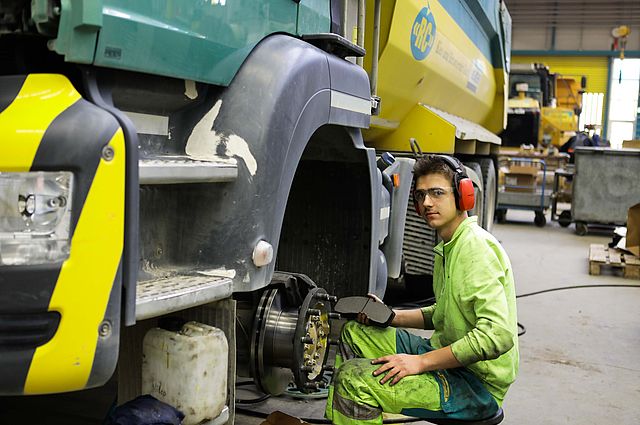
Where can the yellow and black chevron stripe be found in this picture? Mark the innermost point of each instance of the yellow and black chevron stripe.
(59, 323)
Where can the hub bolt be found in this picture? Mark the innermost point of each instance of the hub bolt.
(326, 297)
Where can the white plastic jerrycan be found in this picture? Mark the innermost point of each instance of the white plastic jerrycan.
(187, 369)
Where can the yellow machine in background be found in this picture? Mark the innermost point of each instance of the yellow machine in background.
(543, 113)
(560, 122)
(546, 109)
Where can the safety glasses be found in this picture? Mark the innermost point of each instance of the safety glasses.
(434, 193)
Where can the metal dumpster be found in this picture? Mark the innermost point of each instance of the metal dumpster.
(605, 185)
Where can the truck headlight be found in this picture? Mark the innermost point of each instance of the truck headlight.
(35, 217)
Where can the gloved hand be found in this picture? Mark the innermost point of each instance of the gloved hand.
(362, 316)
(369, 310)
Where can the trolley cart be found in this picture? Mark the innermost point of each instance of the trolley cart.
(521, 189)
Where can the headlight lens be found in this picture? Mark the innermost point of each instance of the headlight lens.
(35, 216)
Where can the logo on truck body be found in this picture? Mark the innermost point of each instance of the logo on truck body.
(423, 33)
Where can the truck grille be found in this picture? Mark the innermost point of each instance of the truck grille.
(418, 243)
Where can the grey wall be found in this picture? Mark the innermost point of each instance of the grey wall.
(572, 24)
(571, 38)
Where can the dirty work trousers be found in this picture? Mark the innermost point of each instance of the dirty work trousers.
(357, 397)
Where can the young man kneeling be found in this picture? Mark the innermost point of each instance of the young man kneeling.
(465, 369)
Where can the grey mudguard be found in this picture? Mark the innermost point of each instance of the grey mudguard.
(282, 94)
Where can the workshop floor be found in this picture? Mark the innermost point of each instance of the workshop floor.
(579, 356)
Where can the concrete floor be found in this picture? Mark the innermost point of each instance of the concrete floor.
(579, 356)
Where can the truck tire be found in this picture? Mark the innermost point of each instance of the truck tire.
(478, 208)
(490, 192)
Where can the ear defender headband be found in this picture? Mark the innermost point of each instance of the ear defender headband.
(462, 185)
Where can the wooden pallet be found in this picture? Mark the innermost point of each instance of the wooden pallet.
(602, 256)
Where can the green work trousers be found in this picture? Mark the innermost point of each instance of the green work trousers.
(357, 397)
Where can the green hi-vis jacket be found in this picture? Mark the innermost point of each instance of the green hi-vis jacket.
(475, 309)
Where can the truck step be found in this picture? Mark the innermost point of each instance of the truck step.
(182, 169)
(167, 295)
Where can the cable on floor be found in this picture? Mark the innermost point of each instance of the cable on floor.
(562, 288)
(522, 330)
(256, 400)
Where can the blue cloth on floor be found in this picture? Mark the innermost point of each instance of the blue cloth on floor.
(145, 410)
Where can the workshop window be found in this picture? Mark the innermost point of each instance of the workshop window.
(591, 114)
(623, 100)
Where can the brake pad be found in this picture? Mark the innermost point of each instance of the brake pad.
(379, 314)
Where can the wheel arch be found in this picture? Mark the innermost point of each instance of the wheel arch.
(284, 93)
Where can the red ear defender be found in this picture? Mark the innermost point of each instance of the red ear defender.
(465, 191)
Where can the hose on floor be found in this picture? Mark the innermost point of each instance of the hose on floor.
(562, 288)
(522, 330)
(256, 400)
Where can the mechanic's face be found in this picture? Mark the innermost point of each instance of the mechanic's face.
(435, 197)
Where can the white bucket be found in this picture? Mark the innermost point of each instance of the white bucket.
(187, 369)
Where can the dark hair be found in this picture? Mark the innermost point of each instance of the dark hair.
(432, 164)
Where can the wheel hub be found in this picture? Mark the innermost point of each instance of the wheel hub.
(290, 338)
